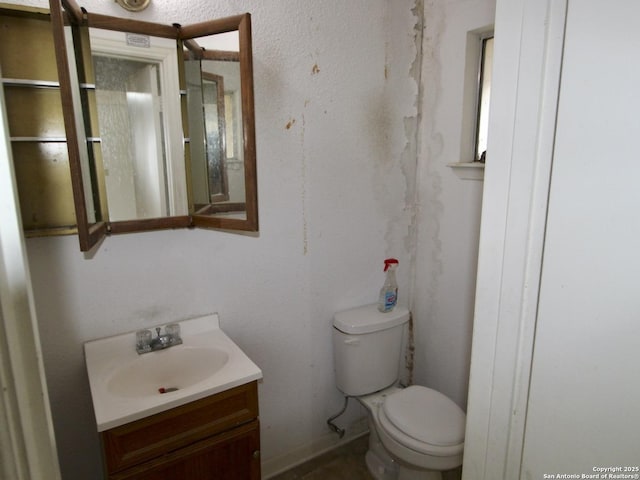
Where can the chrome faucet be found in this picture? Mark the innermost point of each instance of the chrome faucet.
(171, 337)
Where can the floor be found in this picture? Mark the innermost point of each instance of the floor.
(344, 463)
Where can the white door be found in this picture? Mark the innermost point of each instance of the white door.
(584, 402)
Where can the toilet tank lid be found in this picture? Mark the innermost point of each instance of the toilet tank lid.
(368, 318)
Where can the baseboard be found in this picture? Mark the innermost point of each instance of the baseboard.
(277, 465)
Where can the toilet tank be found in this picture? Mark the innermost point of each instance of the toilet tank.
(367, 348)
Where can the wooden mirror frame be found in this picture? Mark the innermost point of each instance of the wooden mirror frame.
(67, 12)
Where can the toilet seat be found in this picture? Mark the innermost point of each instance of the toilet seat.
(423, 420)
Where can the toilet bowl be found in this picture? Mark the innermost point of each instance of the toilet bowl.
(415, 432)
(421, 430)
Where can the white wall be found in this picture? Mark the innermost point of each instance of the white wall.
(448, 216)
(333, 90)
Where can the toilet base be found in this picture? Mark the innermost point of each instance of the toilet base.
(385, 471)
(383, 467)
(379, 462)
(378, 468)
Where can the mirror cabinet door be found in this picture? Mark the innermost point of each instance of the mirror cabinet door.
(89, 213)
(146, 157)
(219, 77)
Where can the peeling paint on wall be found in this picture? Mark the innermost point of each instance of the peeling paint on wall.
(404, 73)
(410, 172)
(433, 146)
(395, 132)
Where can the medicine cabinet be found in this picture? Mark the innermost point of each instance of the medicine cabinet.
(159, 121)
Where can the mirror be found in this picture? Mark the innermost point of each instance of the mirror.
(222, 166)
(163, 118)
(212, 70)
(142, 157)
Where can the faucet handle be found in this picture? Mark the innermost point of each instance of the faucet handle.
(143, 340)
(143, 337)
(173, 330)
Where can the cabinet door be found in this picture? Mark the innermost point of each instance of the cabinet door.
(233, 455)
(151, 437)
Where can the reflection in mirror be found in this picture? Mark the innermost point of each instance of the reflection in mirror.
(212, 69)
(205, 97)
(143, 163)
(215, 128)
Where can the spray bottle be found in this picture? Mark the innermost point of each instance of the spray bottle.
(389, 291)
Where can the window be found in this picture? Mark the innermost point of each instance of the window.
(484, 98)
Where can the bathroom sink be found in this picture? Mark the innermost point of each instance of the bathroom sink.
(166, 371)
(127, 386)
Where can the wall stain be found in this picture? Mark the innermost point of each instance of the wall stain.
(303, 193)
(315, 70)
(290, 123)
(410, 354)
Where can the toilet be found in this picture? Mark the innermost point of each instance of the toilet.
(415, 433)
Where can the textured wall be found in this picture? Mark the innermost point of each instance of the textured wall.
(448, 219)
(336, 115)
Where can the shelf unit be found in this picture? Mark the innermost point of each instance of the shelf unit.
(29, 76)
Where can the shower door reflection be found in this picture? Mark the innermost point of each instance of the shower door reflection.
(128, 99)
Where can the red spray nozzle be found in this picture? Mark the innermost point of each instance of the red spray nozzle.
(388, 262)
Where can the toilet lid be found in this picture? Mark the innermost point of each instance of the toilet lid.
(426, 415)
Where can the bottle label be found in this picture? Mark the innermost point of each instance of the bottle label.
(390, 298)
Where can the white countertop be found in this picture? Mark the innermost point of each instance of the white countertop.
(105, 357)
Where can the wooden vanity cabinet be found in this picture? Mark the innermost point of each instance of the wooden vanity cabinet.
(217, 437)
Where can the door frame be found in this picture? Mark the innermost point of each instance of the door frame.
(27, 444)
(526, 78)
